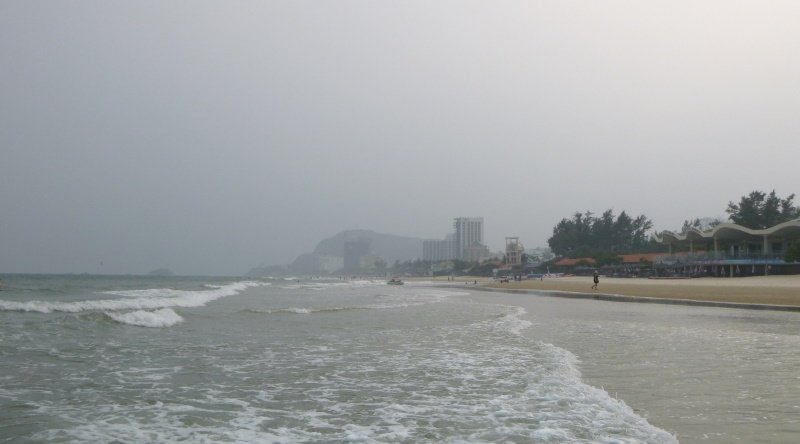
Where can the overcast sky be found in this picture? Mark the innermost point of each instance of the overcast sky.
(211, 137)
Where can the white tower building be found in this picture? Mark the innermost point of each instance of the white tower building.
(468, 233)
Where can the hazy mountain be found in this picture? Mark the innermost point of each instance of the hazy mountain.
(328, 255)
(388, 246)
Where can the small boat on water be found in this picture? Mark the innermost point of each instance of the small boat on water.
(394, 281)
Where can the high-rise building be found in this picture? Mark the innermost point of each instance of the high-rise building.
(514, 251)
(437, 250)
(465, 243)
(468, 234)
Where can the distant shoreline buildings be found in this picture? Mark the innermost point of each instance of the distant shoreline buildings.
(464, 243)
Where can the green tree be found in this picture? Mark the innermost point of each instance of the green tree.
(759, 210)
(571, 237)
(699, 224)
(793, 252)
(602, 234)
(587, 235)
(641, 226)
(607, 259)
(688, 225)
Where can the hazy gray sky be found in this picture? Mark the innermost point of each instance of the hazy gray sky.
(211, 137)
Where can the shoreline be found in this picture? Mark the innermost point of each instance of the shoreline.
(638, 299)
(699, 373)
(779, 293)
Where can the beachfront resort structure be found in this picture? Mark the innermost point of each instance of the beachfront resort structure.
(465, 243)
(730, 249)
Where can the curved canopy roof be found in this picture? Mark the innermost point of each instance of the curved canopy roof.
(731, 231)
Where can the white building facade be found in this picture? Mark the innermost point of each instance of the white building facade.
(468, 233)
(437, 250)
(465, 243)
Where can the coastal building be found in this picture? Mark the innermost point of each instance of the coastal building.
(476, 253)
(468, 233)
(514, 251)
(730, 249)
(464, 243)
(438, 250)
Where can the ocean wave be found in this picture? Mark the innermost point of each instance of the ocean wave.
(413, 300)
(164, 317)
(310, 310)
(149, 299)
(306, 310)
(513, 322)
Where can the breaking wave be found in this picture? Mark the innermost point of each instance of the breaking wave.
(165, 317)
(150, 299)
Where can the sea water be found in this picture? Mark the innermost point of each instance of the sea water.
(140, 359)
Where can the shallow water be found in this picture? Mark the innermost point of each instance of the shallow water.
(135, 359)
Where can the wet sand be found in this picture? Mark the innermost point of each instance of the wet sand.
(705, 374)
(762, 290)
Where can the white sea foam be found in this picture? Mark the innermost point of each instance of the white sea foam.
(150, 299)
(298, 310)
(164, 317)
(153, 292)
(513, 322)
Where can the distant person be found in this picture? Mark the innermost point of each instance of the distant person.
(596, 280)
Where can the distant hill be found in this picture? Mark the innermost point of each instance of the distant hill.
(328, 254)
(388, 246)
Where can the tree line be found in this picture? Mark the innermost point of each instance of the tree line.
(759, 210)
(587, 235)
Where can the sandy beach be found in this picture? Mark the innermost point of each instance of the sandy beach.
(767, 290)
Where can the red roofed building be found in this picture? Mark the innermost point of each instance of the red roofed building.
(569, 262)
(636, 258)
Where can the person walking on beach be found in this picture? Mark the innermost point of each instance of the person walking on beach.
(596, 280)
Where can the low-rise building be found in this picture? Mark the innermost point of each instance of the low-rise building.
(731, 250)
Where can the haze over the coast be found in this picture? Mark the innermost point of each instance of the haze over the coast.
(211, 137)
